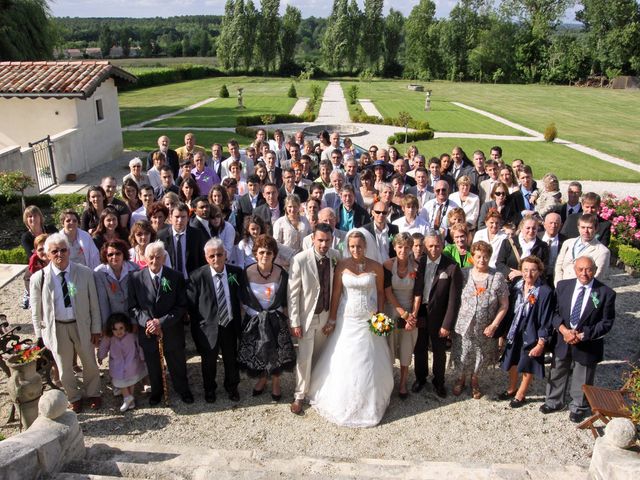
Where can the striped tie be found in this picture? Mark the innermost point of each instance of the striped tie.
(223, 312)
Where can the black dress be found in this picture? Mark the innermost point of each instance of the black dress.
(265, 341)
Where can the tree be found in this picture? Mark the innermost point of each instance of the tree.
(392, 40)
(371, 40)
(226, 39)
(125, 41)
(16, 181)
(421, 52)
(404, 118)
(289, 37)
(106, 41)
(26, 30)
(337, 49)
(268, 34)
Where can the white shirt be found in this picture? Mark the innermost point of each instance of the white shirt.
(496, 243)
(430, 210)
(587, 295)
(382, 240)
(526, 246)
(154, 178)
(154, 275)
(61, 312)
(419, 225)
(139, 214)
(554, 247)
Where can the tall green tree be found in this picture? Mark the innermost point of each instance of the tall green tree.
(335, 41)
(392, 40)
(371, 42)
(421, 53)
(353, 25)
(106, 41)
(268, 34)
(26, 30)
(613, 34)
(289, 37)
(227, 38)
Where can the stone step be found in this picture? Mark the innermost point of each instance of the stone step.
(89, 476)
(129, 460)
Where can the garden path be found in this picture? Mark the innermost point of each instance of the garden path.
(300, 106)
(334, 106)
(137, 126)
(369, 108)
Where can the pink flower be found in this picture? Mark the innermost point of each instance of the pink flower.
(637, 235)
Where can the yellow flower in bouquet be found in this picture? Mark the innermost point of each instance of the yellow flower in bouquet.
(381, 324)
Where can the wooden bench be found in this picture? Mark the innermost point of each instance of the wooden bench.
(605, 405)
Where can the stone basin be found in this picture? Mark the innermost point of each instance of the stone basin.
(343, 130)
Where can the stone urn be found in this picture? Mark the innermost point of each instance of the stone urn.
(25, 389)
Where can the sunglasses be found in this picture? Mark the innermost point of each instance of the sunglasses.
(380, 212)
(500, 194)
(59, 251)
(440, 190)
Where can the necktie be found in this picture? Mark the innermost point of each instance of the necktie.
(179, 262)
(272, 178)
(156, 283)
(65, 290)
(577, 308)
(438, 219)
(428, 281)
(570, 212)
(223, 311)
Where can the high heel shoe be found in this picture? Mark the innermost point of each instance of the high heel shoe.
(256, 393)
(276, 398)
(475, 389)
(458, 387)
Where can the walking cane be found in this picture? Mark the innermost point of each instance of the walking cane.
(163, 367)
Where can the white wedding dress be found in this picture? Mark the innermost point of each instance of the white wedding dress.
(352, 381)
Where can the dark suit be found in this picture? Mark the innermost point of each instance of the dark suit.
(360, 216)
(551, 263)
(563, 211)
(484, 209)
(438, 311)
(208, 336)
(302, 194)
(507, 259)
(603, 232)
(264, 212)
(447, 178)
(477, 178)
(194, 251)
(393, 230)
(595, 322)
(245, 208)
(277, 176)
(169, 305)
(160, 192)
(516, 206)
(197, 224)
(466, 169)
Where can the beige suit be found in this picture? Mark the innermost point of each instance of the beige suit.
(565, 260)
(64, 339)
(303, 295)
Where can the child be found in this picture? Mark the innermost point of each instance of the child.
(418, 247)
(550, 198)
(126, 361)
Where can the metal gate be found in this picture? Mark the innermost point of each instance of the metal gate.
(43, 160)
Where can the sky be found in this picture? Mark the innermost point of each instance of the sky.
(169, 8)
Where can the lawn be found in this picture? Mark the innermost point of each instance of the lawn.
(146, 140)
(566, 163)
(261, 95)
(600, 118)
(392, 97)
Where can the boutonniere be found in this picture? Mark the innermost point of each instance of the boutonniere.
(391, 237)
(340, 246)
(113, 286)
(334, 262)
(232, 279)
(164, 284)
(268, 292)
(595, 299)
(412, 275)
(532, 299)
(480, 291)
(72, 289)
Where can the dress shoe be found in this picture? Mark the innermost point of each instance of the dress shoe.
(296, 407)
(403, 395)
(154, 400)
(417, 386)
(234, 395)
(129, 403)
(276, 398)
(440, 390)
(256, 393)
(76, 406)
(515, 403)
(576, 417)
(187, 397)
(209, 397)
(546, 409)
(505, 395)
(95, 403)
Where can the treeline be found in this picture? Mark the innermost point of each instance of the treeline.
(510, 41)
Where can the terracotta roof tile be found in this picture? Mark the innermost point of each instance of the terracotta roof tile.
(57, 79)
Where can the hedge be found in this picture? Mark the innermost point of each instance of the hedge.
(411, 136)
(15, 255)
(277, 118)
(392, 121)
(627, 254)
(164, 75)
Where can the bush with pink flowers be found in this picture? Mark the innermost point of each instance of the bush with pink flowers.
(624, 215)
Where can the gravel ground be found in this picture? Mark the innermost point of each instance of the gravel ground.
(422, 427)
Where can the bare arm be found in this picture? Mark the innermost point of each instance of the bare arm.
(502, 311)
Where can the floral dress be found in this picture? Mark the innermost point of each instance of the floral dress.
(472, 351)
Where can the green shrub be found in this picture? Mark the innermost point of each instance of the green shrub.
(224, 92)
(410, 136)
(292, 92)
(316, 92)
(627, 254)
(164, 75)
(352, 94)
(550, 133)
(257, 119)
(249, 132)
(16, 256)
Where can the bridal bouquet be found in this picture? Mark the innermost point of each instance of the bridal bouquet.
(381, 324)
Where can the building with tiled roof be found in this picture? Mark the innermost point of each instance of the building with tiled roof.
(75, 103)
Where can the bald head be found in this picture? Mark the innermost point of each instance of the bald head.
(328, 216)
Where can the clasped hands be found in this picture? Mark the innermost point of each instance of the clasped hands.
(572, 336)
(153, 328)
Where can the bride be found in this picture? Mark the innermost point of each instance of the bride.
(352, 381)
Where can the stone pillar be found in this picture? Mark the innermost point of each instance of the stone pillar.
(611, 460)
(25, 388)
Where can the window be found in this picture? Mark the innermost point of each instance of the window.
(99, 110)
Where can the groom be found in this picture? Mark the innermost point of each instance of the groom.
(310, 281)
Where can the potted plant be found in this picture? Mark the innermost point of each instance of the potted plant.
(25, 384)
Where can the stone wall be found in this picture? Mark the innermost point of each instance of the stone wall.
(52, 441)
(611, 459)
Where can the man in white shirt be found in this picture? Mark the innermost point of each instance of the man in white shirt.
(335, 145)
(236, 156)
(382, 230)
(435, 211)
(421, 189)
(411, 222)
(146, 197)
(486, 186)
(552, 237)
(327, 215)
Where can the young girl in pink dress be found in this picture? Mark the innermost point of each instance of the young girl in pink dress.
(126, 361)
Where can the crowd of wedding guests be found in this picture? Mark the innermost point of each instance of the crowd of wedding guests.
(477, 256)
